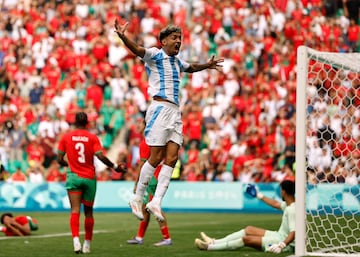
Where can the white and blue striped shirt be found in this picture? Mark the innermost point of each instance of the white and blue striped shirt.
(164, 74)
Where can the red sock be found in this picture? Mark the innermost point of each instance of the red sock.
(89, 227)
(165, 232)
(74, 223)
(142, 228)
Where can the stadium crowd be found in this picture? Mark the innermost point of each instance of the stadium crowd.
(59, 57)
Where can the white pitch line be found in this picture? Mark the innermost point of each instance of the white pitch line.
(49, 235)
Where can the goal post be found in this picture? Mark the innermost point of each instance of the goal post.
(327, 153)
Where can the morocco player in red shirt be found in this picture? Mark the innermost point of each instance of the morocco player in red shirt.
(80, 146)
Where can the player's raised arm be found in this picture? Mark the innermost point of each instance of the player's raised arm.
(211, 64)
(133, 47)
(252, 191)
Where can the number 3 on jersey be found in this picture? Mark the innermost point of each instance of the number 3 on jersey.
(79, 147)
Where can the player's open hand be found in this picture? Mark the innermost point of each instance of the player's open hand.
(120, 29)
(215, 63)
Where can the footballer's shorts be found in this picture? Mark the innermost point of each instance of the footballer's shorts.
(85, 186)
(273, 237)
(163, 124)
(150, 190)
(32, 223)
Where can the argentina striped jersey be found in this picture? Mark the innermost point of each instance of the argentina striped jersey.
(164, 74)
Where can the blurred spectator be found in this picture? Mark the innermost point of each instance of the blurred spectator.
(35, 94)
(290, 152)
(17, 142)
(4, 158)
(94, 94)
(35, 172)
(48, 144)
(4, 174)
(34, 150)
(119, 86)
(17, 176)
(53, 173)
(46, 126)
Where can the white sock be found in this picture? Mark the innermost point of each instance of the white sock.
(229, 245)
(230, 237)
(87, 242)
(163, 182)
(146, 173)
(76, 240)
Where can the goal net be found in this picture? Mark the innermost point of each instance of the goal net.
(327, 153)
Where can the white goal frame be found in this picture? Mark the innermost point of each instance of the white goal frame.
(303, 53)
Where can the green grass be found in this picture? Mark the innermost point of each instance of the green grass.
(113, 229)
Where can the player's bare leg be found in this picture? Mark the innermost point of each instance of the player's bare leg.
(143, 225)
(171, 157)
(250, 236)
(146, 172)
(89, 227)
(166, 240)
(75, 203)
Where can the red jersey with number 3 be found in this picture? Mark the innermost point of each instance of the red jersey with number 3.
(80, 147)
(145, 154)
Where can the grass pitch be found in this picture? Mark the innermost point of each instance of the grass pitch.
(111, 231)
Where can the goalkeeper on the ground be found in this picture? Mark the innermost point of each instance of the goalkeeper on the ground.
(279, 241)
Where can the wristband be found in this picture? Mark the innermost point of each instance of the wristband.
(115, 166)
(259, 196)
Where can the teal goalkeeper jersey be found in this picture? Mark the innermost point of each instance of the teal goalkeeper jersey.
(288, 220)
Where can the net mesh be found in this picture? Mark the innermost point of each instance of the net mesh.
(333, 153)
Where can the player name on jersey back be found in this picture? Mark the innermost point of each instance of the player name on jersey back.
(80, 138)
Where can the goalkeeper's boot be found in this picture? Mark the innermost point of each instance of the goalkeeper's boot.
(155, 210)
(135, 241)
(136, 208)
(164, 242)
(206, 238)
(201, 244)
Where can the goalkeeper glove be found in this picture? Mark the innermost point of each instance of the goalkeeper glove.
(277, 248)
(252, 191)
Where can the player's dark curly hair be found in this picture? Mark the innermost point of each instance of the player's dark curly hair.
(81, 119)
(288, 186)
(6, 214)
(168, 30)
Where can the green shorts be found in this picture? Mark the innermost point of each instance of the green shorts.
(32, 223)
(86, 186)
(150, 190)
(273, 237)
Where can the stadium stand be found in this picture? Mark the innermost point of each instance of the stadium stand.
(58, 57)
